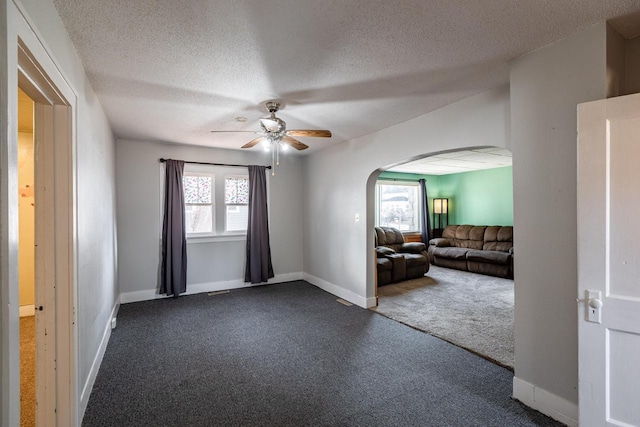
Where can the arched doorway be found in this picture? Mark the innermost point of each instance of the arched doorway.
(473, 186)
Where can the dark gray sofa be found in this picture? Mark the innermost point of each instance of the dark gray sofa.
(475, 248)
(397, 260)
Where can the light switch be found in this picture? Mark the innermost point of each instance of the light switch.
(357, 217)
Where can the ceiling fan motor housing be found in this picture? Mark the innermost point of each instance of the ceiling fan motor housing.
(272, 106)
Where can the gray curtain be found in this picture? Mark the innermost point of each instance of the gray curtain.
(173, 272)
(258, 263)
(424, 212)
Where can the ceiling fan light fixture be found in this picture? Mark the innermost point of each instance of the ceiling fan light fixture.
(275, 136)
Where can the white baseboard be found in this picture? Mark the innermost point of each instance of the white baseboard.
(27, 310)
(97, 361)
(197, 288)
(552, 405)
(340, 291)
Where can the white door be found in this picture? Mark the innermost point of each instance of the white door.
(609, 262)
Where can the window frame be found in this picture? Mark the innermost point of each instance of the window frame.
(236, 176)
(198, 173)
(219, 175)
(418, 211)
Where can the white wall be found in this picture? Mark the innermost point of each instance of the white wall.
(216, 265)
(546, 87)
(338, 184)
(95, 199)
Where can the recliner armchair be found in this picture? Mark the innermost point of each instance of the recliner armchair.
(397, 260)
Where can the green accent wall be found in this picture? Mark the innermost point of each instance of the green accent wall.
(482, 197)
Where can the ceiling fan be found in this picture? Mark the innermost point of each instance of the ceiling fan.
(274, 130)
(275, 134)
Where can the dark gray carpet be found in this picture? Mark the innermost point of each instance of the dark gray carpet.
(290, 355)
(470, 310)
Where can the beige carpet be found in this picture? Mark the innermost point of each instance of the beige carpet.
(27, 371)
(470, 310)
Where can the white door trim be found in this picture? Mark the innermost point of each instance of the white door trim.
(58, 100)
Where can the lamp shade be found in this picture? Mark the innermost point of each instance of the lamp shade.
(440, 206)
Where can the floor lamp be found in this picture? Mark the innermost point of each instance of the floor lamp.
(440, 208)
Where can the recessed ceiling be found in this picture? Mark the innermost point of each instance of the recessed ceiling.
(458, 161)
(172, 71)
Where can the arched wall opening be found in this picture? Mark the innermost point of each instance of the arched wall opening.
(496, 211)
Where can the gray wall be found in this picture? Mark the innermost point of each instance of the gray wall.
(338, 184)
(97, 290)
(537, 121)
(546, 87)
(139, 186)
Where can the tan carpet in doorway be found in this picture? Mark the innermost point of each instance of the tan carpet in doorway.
(27, 371)
(470, 310)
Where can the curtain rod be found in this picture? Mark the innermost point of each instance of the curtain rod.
(399, 179)
(161, 160)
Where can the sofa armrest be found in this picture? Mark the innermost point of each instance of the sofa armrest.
(440, 242)
(383, 251)
(412, 247)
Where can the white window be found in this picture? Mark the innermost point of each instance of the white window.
(199, 203)
(216, 201)
(236, 201)
(398, 205)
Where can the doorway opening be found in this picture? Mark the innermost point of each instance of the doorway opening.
(45, 230)
(466, 294)
(26, 259)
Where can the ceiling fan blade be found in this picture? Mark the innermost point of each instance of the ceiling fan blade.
(309, 132)
(294, 143)
(254, 142)
(227, 131)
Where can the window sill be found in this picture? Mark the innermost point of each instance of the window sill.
(216, 238)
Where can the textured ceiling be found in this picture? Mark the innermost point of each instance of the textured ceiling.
(458, 161)
(174, 70)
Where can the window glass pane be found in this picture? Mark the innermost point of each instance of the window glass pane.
(197, 189)
(199, 218)
(237, 217)
(236, 191)
(398, 206)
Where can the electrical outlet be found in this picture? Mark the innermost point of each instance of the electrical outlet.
(113, 323)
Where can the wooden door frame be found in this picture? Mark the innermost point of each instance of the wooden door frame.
(31, 67)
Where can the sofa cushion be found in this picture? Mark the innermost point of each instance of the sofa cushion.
(439, 242)
(490, 257)
(498, 238)
(453, 253)
(505, 234)
(388, 236)
(450, 232)
(470, 244)
(382, 251)
(414, 260)
(384, 264)
(399, 269)
(477, 233)
(413, 247)
(462, 232)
